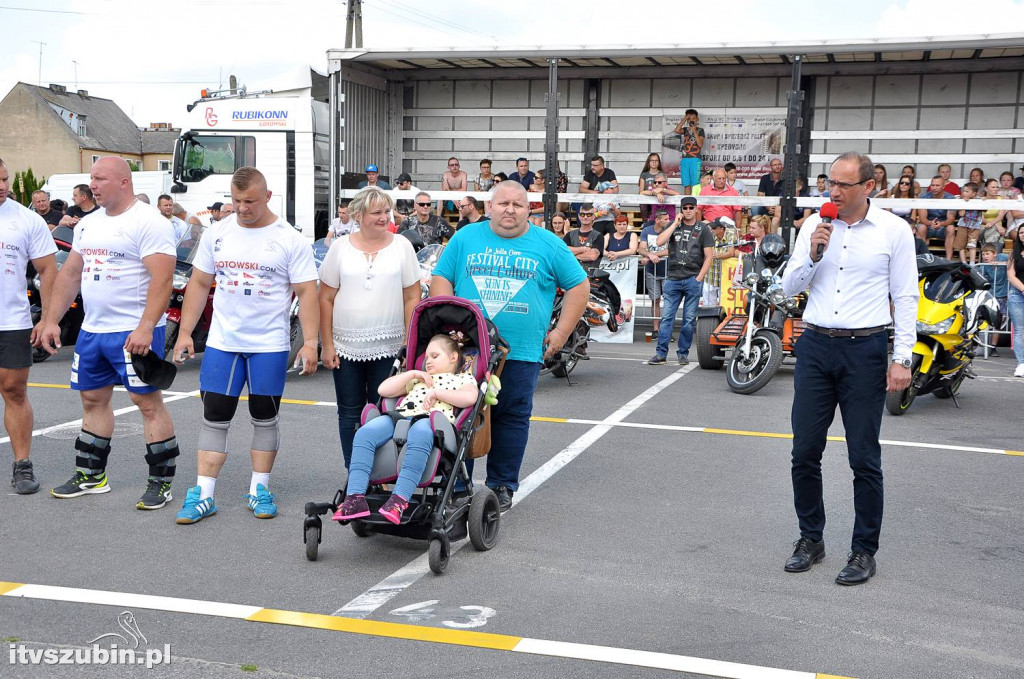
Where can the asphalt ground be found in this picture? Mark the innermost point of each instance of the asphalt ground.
(637, 539)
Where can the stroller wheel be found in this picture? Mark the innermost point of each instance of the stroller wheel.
(484, 519)
(312, 538)
(438, 554)
(360, 528)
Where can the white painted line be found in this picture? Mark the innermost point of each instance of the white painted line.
(121, 411)
(393, 585)
(129, 600)
(664, 661)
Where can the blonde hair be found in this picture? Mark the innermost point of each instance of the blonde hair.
(246, 177)
(763, 221)
(368, 199)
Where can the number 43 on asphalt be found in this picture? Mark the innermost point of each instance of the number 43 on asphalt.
(467, 617)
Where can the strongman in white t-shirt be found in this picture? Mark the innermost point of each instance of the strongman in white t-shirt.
(24, 237)
(257, 260)
(122, 260)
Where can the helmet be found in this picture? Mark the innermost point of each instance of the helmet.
(980, 305)
(773, 250)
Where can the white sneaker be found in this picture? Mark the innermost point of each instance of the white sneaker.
(1019, 372)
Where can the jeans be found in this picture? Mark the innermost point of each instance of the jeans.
(672, 293)
(510, 424)
(355, 385)
(1015, 307)
(379, 431)
(849, 372)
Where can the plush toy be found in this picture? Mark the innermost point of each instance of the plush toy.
(493, 387)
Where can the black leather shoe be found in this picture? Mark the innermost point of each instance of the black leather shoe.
(504, 494)
(807, 553)
(859, 569)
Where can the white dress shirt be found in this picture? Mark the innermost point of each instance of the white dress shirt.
(864, 265)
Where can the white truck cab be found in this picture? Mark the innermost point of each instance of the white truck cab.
(283, 133)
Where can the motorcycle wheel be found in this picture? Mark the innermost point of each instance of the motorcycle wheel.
(766, 357)
(294, 341)
(898, 402)
(170, 339)
(580, 336)
(40, 355)
(707, 352)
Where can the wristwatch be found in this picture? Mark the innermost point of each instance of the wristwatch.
(905, 362)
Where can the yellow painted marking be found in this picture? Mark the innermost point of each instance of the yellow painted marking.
(740, 432)
(43, 385)
(299, 402)
(6, 587)
(538, 418)
(1017, 453)
(831, 676)
(498, 642)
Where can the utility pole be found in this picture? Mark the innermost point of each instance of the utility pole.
(354, 25)
(41, 46)
(76, 73)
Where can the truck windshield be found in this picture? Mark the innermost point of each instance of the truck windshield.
(208, 155)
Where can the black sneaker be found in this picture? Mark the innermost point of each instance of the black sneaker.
(158, 493)
(656, 360)
(684, 360)
(83, 484)
(504, 494)
(23, 480)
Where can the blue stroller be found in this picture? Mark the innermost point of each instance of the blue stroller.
(437, 512)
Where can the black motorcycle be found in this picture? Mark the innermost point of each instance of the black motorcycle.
(71, 323)
(603, 308)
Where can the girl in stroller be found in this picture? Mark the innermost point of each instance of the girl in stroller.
(437, 387)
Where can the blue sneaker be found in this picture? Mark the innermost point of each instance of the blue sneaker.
(195, 509)
(262, 504)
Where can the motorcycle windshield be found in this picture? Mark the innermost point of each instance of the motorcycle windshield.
(188, 244)
(944, 288)
(428, 256)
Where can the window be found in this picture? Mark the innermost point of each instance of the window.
(163, 165)
(207, 155)
(94, 159)
(81, 126)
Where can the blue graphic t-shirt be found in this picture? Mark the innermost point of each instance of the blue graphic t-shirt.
(512, 279)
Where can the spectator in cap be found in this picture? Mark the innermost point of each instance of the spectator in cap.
(215, 211)
(373, 179)
(404, 206)
(720, 229)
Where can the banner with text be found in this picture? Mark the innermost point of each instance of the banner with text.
(748, 140)
(623, 276)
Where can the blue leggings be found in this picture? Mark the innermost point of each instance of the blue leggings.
(375, 433)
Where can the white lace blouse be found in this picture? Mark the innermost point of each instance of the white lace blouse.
(369, 310)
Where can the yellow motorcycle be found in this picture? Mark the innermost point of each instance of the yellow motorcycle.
(955, 304)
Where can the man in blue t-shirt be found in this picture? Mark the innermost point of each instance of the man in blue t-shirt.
(511, 269)
(936, 222)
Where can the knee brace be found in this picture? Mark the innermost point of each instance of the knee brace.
(92, 453)
(266, 434)
(218, 407)
(160, 458)
(213, 436)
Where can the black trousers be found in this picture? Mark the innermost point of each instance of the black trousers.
(849, 372)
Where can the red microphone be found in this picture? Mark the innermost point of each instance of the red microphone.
(828, 212)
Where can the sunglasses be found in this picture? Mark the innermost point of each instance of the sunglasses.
(661, 182)
(689, 207)
(586, 214)
(453, 165)
(423, 204)
(904, 183)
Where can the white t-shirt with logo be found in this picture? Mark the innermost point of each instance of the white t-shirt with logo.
(23, 236)
(115, 280)
(254, 269)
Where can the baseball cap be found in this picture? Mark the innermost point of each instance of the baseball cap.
(402, 178)
(371, 168)
(216, 206)
(153, 370)
(688, 200)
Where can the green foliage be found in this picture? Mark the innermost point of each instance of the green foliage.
(248, 668)
(11, 640)
(133, 165)
(24, 184)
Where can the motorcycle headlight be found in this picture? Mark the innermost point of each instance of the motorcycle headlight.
(179, 281)
(766, 275)
(940, 328)
(792, 302)
(35, 282)
(751, 279)
(776, 296)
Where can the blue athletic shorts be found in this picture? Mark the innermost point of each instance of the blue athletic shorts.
(101, 360)
(226, 372)
(689, 171)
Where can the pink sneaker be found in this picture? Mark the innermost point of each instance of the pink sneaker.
(393, 508)
(354, 507)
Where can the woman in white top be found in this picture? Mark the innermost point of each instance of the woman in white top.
(369, 285)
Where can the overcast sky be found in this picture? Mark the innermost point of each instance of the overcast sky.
(152, 58)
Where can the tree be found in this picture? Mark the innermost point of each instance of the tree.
(133, 166)
(24, 185)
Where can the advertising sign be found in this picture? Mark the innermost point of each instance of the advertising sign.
(749, 140)
(623, 276)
